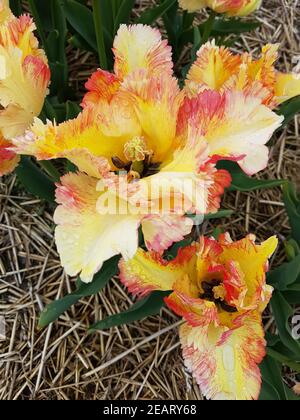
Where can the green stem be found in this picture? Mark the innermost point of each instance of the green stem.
(209, 24)
(50, 169)
(99, 33)
(38, 22)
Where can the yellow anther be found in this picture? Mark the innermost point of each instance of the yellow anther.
(136, 149)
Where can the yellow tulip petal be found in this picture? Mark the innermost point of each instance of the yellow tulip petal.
(287, 86)
(252, 260)
(8, 159)
(148, 271)
(225, 362)
(84, 238)
(212, 69)
(192, 5)
(141, 47)
(101, 87)
(97, 132)
(24, 76)
(234, 7)
(156, 101)
(5, 12)
(236, 126)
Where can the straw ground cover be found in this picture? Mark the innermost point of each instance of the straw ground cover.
(142, 360)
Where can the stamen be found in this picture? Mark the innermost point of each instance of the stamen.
(136, 149)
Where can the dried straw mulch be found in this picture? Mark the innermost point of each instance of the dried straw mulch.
(130, 362)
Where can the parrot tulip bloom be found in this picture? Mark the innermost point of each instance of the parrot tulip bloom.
(127, 149)
(143, 145)
(218, 69)
(230, 7)
(24, 78)
(219, 288)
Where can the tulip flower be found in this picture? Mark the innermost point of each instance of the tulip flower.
(142, 145)
(219, 289)
(24, 79)
(229, 7)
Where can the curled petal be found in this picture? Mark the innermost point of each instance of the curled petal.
(8, 159)
(212, 69)
(252, 260)
(24, 76)
(101, 87)
(84, 238)
(223, 362)
(98, 133)
(141, 47)
(160, 232)
(235, 126)
(147, 272)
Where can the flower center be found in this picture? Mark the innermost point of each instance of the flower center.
(136, 150)
(139, 159)
(214, 291)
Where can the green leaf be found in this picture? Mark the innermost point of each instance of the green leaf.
(149, 16)
(55, 309)
(35, 181)
(219, 215)
(242, 182)
(234, 26)
(283, 277)
(283, 359)
(282, 312)
(271, 374)
(124, 13)
(149, 306)
(292, 205)
(289, 109)
(80, 17)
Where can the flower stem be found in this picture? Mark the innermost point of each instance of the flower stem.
(99, 33)
(208, 27)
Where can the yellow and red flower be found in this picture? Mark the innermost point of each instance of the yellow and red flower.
(24, 77)
(219, 69)
(146, 146)
(230, 7)
(219, 288)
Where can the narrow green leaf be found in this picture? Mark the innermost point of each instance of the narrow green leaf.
(271, 374)
(55, 309)
(281, 358)
(123, 14)
(289, 109)
(242, 182)
(99, 29)
(282, 312)
(219, 215)
(149, 306)
(35, 181)
(234, 26)
(149, 16)
(80, 17)
(292, 205)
